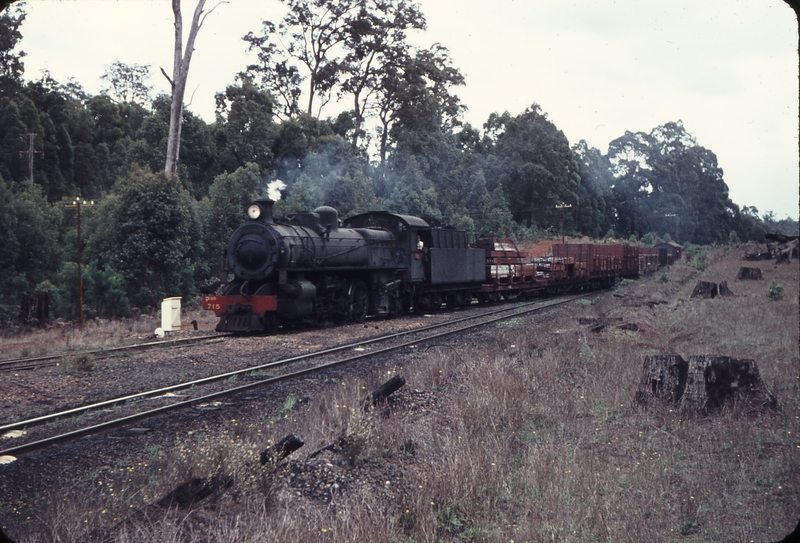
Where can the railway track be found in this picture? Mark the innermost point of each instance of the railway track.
(300, 366)
(30, 363)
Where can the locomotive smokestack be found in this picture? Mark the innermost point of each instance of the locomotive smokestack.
(261, 210)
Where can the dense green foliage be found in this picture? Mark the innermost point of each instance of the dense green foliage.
(402, 147)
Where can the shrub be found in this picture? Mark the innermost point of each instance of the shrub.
(650, 238)
(80, 363)
(700, 263)
(775, 291)
(109, 293)
(289, 403)
(622, 283)
(664, 278)
(696, 256)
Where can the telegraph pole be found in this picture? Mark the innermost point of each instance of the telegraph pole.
(562, 206)
(30, 136)
(76, 204)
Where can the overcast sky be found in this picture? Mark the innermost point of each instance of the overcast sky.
(726, 68)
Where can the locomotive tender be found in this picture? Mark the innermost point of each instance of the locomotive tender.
(313, 266)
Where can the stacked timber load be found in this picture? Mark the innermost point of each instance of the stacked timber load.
(505, 264)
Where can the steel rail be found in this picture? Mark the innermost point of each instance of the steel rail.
(9, 364)
(116, 423)
(227, 375)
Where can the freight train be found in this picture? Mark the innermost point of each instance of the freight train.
(316, 267)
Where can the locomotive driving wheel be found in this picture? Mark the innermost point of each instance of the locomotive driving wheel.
(271, 323)
(358, 298)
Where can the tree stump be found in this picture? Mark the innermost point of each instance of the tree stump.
(703, 385)
(785, 251)
(716, 381)
(704, 289)
(724, 290)
(749, 273)
(663, 379)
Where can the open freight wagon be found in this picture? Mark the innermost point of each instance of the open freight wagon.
(593, 262)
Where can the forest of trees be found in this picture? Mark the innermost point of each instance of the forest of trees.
(401, 147)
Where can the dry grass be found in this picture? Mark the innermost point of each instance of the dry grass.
(97, 334)
(532, 437)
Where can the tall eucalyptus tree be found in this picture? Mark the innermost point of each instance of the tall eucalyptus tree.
(180, 72)
(310, 37)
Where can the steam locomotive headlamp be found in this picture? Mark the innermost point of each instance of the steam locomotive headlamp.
(254, 211)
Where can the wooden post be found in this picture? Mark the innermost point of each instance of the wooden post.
(76, 204)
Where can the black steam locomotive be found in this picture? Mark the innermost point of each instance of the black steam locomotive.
(315, 267)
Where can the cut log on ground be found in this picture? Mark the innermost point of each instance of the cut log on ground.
(347, 445)
(187, 494)
(281, 449)
(594, 321)
(714, 382)
(388, 388)
(757, 255)
(780, 238)
(663, 379)
(704, 289)
(792, 537)
(749, 273)
(4, 538)
(724, 290)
